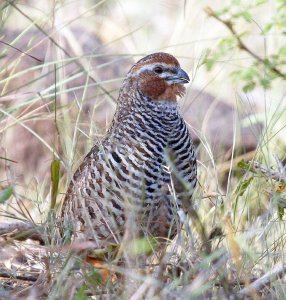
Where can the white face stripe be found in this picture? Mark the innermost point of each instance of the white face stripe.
(151, 67)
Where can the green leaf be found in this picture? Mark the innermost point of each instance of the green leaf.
(81, 293)
(101, 253)
(280, 212)
(225, 44)
(266, 83)
(279, 199)
(260, 2)
(243, 165)
(282, 50)
(249, 86)
(249, 74)
(55, 176)
(210, 62)
(268, 27)
(141, 246)
(222, 11)
(242, 187)
(94, 277)
(236, 2)
(240, 190)
(245, 15)
(6, 194)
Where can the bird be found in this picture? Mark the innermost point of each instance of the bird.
(144, 171)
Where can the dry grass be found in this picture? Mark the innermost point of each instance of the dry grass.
(58, 89)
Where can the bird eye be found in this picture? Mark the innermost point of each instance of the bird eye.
(158, 70)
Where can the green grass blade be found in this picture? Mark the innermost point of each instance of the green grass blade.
(55, 176)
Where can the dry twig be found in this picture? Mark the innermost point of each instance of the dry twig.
(20, 231)
(277, 272)
(9, 275)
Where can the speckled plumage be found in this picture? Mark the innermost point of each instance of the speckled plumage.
(147, 151)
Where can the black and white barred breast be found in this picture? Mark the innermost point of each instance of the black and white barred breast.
(144, 167)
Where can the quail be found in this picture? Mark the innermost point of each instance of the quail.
(145, 166)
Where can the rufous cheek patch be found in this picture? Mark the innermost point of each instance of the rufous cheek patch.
(152, 86)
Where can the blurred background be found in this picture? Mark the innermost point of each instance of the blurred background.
(62, 63)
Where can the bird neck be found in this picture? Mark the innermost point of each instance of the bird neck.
(132, 101)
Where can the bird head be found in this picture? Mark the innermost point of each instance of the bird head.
(159, 77)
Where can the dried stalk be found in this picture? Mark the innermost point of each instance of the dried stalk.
(20, 231)
(277, 272)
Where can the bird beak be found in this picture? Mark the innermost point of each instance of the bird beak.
(181, 77)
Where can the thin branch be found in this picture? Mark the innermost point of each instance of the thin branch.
(8, 228)
(4, 274)
(277, 272)
(228, 23)
(20, 231)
